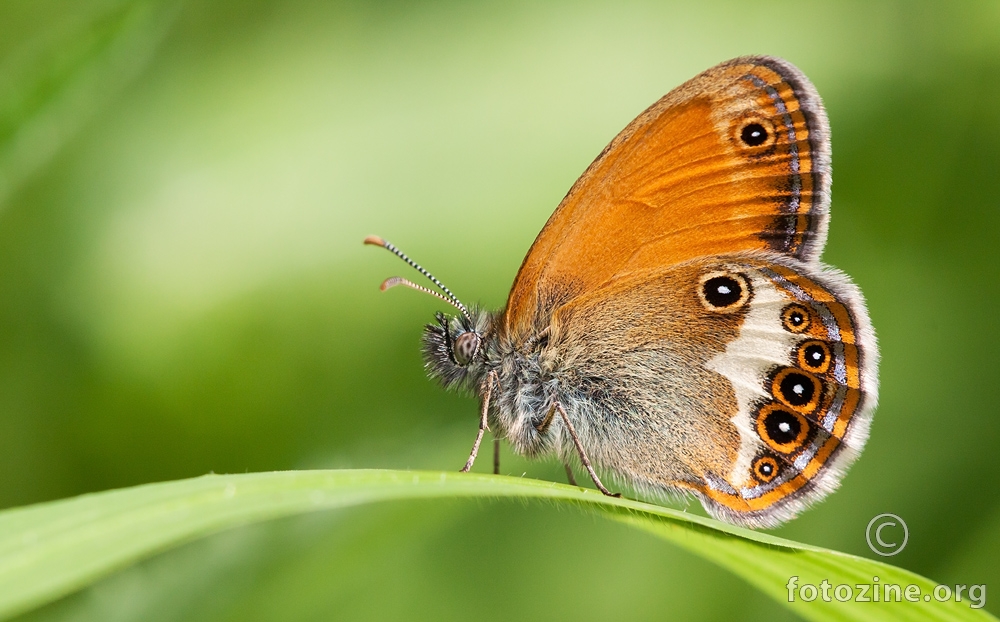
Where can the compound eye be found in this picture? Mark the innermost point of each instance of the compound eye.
(465, 348)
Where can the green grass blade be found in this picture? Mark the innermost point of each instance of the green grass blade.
(51, 549)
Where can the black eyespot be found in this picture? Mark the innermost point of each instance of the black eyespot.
(814, 356)
(797, 389)
(795, 318)
(781, 428)
(753, 134)
(724, 292)
(765, 468)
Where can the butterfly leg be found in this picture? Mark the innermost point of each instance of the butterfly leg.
(583, 454)
(543, 425)
(496, 455)
(483, 424)
(569, 474)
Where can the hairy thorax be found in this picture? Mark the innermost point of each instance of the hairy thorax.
(528, 384)
(525, 378)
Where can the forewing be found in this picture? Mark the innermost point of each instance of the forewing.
(736, 159)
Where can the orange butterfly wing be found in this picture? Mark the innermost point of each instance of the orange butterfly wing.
(736, 159)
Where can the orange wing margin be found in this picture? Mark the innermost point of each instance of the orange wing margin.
(736, 159)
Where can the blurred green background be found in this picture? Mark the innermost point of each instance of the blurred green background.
(184, 190)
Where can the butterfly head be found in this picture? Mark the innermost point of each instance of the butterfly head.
(453, 346)
(455, 351)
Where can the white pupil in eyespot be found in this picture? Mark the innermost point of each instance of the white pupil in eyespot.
(799, 390)
(817, 356)
(724, 290)
(784, 427)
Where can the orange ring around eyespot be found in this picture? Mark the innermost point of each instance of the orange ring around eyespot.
(804, 363)
(790, 446)
(814, 398)
(766, 124)
(787, 316)
(762, 461)
(746, 291)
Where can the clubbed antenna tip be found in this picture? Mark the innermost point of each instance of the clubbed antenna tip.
(451, 299)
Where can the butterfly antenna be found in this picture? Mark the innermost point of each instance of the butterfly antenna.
(453, 300)
(398, 280)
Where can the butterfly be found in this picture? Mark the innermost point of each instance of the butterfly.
(672, 324)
